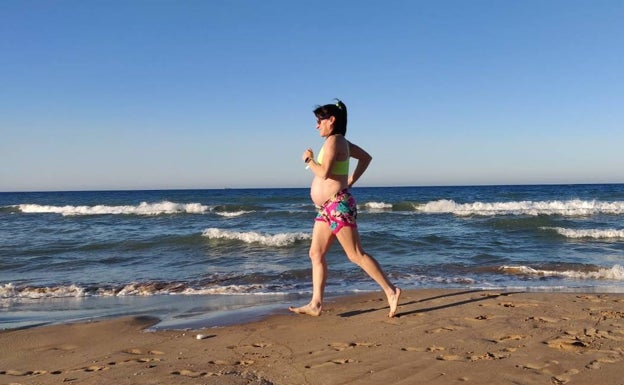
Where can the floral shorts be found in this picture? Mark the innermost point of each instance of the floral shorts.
(339, 211)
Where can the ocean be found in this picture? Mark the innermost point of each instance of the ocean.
(202, 258)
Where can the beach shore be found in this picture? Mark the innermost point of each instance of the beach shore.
(438, 337)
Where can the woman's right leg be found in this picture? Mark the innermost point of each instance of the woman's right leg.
(322, 239)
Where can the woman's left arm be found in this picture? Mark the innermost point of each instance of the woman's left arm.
(364, 159)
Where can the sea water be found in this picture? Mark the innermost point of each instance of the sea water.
(199, 258)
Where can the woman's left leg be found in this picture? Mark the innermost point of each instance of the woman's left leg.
(349, 239)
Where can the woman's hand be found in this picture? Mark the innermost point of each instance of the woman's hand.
(308, 155)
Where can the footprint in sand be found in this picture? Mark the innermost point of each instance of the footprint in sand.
(449, 357)
(566, 343)
(254, 346)
(242, 362)
(413, 349)
(511, 337)
(593, 365)
(565, 377)
(88, 369)
(545, 319)
(331, 363)
(533, 366)
(257, 349)
(442, 329)
(550, 368)
(490, 356)
(590, 298)
(138, 352)
(22, 373)
(610, 314)
(145, 360)
(95, 368)
(190, 373)
(61, 347)
(435, 348)
(597, 364)
(512, 305)
(133, 351)
(340, 346)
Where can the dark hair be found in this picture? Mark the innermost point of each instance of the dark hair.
(339, 111)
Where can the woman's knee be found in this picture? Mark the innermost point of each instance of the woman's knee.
(316, 256)
(357, 257)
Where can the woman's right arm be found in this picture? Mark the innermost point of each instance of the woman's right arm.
(329, 158)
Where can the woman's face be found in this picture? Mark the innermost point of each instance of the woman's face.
(325, 126)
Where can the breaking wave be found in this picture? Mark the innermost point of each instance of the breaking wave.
(565, 208)
(588, 233)
(378, 206)
(232, 214)
(275, 240)
(11, 292)
(144, 208)
(615, 273)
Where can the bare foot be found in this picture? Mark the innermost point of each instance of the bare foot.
(308, 309)
(393, 300)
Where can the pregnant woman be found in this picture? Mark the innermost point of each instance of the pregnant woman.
(337, 210)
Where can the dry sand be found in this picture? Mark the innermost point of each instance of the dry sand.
(439, 337)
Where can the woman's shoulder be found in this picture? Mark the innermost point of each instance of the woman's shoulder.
(340, 145)
(337, 140)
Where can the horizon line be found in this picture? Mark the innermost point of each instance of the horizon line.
(293, 188)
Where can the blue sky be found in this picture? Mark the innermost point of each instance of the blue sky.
(219, 93)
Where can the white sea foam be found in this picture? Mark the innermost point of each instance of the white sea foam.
(256, 290)
(614, 273)
(231, 214)
(10, 291)
(144, 208)
(566, 208)
(378, 206)
(282, 239)
(587, 233)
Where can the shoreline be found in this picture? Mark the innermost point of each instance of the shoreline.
(439, 336)
(183, 312)
(175, 312)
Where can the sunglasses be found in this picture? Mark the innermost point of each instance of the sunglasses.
(318, 120)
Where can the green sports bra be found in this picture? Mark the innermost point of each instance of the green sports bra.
(341, 167)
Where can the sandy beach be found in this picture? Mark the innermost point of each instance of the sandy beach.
(438, 337)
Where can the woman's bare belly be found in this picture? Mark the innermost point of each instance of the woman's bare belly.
(323, 189)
